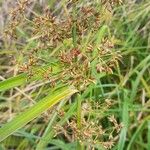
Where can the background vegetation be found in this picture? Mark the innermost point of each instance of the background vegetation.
(74, 75)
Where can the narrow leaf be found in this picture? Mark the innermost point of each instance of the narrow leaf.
(21, 79)
(125, 119)
(35, 111)
(13, 82)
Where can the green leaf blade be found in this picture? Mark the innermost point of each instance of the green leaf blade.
(13, 82)
(33, 112)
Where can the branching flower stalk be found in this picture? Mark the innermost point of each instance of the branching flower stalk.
(80, 57)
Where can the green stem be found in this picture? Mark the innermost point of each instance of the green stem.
(79, 117)
(74, 27)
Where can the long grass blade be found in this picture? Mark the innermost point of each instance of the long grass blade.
(125, 118)
(13, 82)
(33, 112)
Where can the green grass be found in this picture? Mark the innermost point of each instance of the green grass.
(110, 110)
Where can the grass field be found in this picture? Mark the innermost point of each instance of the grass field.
(74, 74)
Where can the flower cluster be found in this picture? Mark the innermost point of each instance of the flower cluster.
(90, 131)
